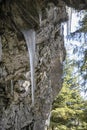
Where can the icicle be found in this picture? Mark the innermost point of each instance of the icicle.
(30, 40)
(40, 17)
(0, 49)
(69, 22)
(62, 29)
(12, 88)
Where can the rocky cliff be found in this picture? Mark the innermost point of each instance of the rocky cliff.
(45, 17)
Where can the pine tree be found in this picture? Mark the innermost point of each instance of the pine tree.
(68, 108)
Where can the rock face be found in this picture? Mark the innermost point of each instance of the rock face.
(45, 17)
(16, 111)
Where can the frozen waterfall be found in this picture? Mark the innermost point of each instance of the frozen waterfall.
(30, 40)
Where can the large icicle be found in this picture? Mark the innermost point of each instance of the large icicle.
(0, 49)
(30, 40)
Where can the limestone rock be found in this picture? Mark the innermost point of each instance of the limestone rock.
(16, 111)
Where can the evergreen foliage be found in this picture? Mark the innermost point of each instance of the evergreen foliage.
(69, 109)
